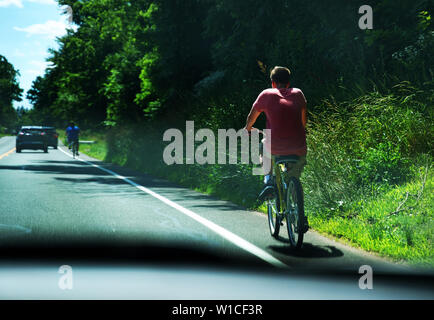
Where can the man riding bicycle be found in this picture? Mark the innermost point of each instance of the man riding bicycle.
(286, 112)
(72, 134)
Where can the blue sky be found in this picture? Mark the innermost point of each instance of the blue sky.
(28, 28)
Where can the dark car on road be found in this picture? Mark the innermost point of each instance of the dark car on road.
(51, 136)
(31, 137)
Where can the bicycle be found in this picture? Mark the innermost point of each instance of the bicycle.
(288, 200)
(74, 148)
(287, 203)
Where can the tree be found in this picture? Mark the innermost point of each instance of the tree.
(9, 92)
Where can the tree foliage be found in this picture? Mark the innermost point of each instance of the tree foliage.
(9, 92)
(135, 61)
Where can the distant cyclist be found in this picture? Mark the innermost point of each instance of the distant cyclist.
(285, 109)
(72, 134)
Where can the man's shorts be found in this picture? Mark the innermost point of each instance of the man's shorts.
(294, 169)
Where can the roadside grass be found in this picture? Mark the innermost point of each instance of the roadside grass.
(97, 150)
(397, 223)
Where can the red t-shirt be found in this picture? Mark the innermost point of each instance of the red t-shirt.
(283, 108)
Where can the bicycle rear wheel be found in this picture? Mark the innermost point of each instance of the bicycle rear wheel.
(295, 212)
(74, 149)
(273, 210)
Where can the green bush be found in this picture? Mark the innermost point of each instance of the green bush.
(360, 147)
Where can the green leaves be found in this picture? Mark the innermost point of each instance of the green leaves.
(9, 88)
(9, 92)
(424, 20)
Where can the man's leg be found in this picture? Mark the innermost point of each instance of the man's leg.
(77, 143)
(264, 157)
(268, 175)
(297, 169)
(268, 191)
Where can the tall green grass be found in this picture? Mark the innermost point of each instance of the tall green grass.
(397, 223)
(365, 146)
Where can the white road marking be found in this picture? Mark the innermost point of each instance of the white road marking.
(235, 239)
(4, 228)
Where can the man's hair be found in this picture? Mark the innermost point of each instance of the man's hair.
(280, 75)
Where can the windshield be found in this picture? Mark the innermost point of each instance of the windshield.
(289, 138)
(31, 131)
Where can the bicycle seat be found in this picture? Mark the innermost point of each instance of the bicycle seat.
(287, 159)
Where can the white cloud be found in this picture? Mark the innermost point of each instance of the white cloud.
(34, 73)
(19, 3)
(51, 29)
(7, 3)
(18, 53)
(36, 68)
(43, 1)
(39, 65)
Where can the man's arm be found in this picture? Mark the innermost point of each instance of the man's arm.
(251, 119)
(303, 109)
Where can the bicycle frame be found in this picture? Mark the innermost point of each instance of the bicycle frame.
(74, 147)
(279, 170)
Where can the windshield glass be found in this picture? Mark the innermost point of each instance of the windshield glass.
(266, 135)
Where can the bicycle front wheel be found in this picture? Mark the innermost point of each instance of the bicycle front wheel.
(273, 209)
(295, 212)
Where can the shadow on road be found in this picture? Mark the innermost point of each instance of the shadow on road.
(32, 152)
(85, 178)
(220, 206)
(67, 168)
(70, 170)
(102, 180)
(308, 250)
(89, 180)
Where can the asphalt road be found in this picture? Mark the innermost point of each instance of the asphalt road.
(52, 197)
